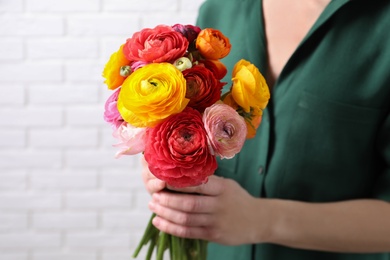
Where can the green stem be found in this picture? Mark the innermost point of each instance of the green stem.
(149, 231)
(162, 245)
(152, 245)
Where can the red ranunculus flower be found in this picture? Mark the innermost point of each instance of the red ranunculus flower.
(160, 44)
(177, 151)
(216, 66)
(203, 89)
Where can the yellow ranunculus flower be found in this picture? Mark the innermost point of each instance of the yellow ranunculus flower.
(112, 69)
(249, 86)
(151, 94)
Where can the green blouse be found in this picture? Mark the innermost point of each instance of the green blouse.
(325, 135)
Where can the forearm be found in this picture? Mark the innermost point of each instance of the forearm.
(349, 226)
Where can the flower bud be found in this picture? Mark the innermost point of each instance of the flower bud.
(183, 63)
(125, 71)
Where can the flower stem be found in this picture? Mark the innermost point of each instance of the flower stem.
(162, 245)
(148, 234)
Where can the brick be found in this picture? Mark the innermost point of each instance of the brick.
(70, 137)
(17, 255)
(59, 93)
(64, 220)
(12, 94)
(12, 221)
(63, 6)
(96, 158)
(85, 115)
(31, 116)
(152, 19)
(25, 201)
(11, 6)
(190, 6)
(11, 49)
(140, 6)
(30, 72)
(15, 138)
(122, 178)
(126, 220)
(30, 25)
(13, 180)
(107, 140)
(142, 199)
(30, 240)
(74, 180)
(111, 45)
(85, 71)
(30, 158)
(62, 48)
(97, 240)
(122, 254)
(61, 255)
(98, 25)
(98, 200)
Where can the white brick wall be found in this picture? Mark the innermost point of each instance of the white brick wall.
(63, 196)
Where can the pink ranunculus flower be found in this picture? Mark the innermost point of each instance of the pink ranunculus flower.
(137, 64)
(226, 130)
(111, 113)
(160, 44)
(132, 139)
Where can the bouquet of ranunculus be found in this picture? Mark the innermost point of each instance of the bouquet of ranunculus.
(167, 104)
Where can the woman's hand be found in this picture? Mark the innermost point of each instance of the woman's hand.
(152, 184)
(220, 211)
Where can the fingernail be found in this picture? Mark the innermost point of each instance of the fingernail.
(155, 221)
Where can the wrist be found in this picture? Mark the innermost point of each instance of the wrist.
(265, 220)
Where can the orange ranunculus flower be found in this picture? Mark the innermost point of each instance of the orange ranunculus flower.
(228, 100)
(252, 118)
(112, 69)
(252, 123)
(212, 44)
(151, 94)
(216, 66)
(249, 86)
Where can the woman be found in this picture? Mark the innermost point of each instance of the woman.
(315, 181)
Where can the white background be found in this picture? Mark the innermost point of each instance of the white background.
(63, 196)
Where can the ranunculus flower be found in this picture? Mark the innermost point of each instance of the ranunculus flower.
(226, 130)
(137, 64)
(249, 86)
(216, 66)
(188, 31)
(160, 44)
(252, 124)
(132, 139)
(111, 113)
(212, 44)
(151, 94)
(111, 71)
(203, 89)
(177, 150)
(182, 63)
(252, 118)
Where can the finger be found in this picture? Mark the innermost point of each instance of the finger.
(186, 202)
(180, 217)
(181, 231)
(213, 187)
(155, 185)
